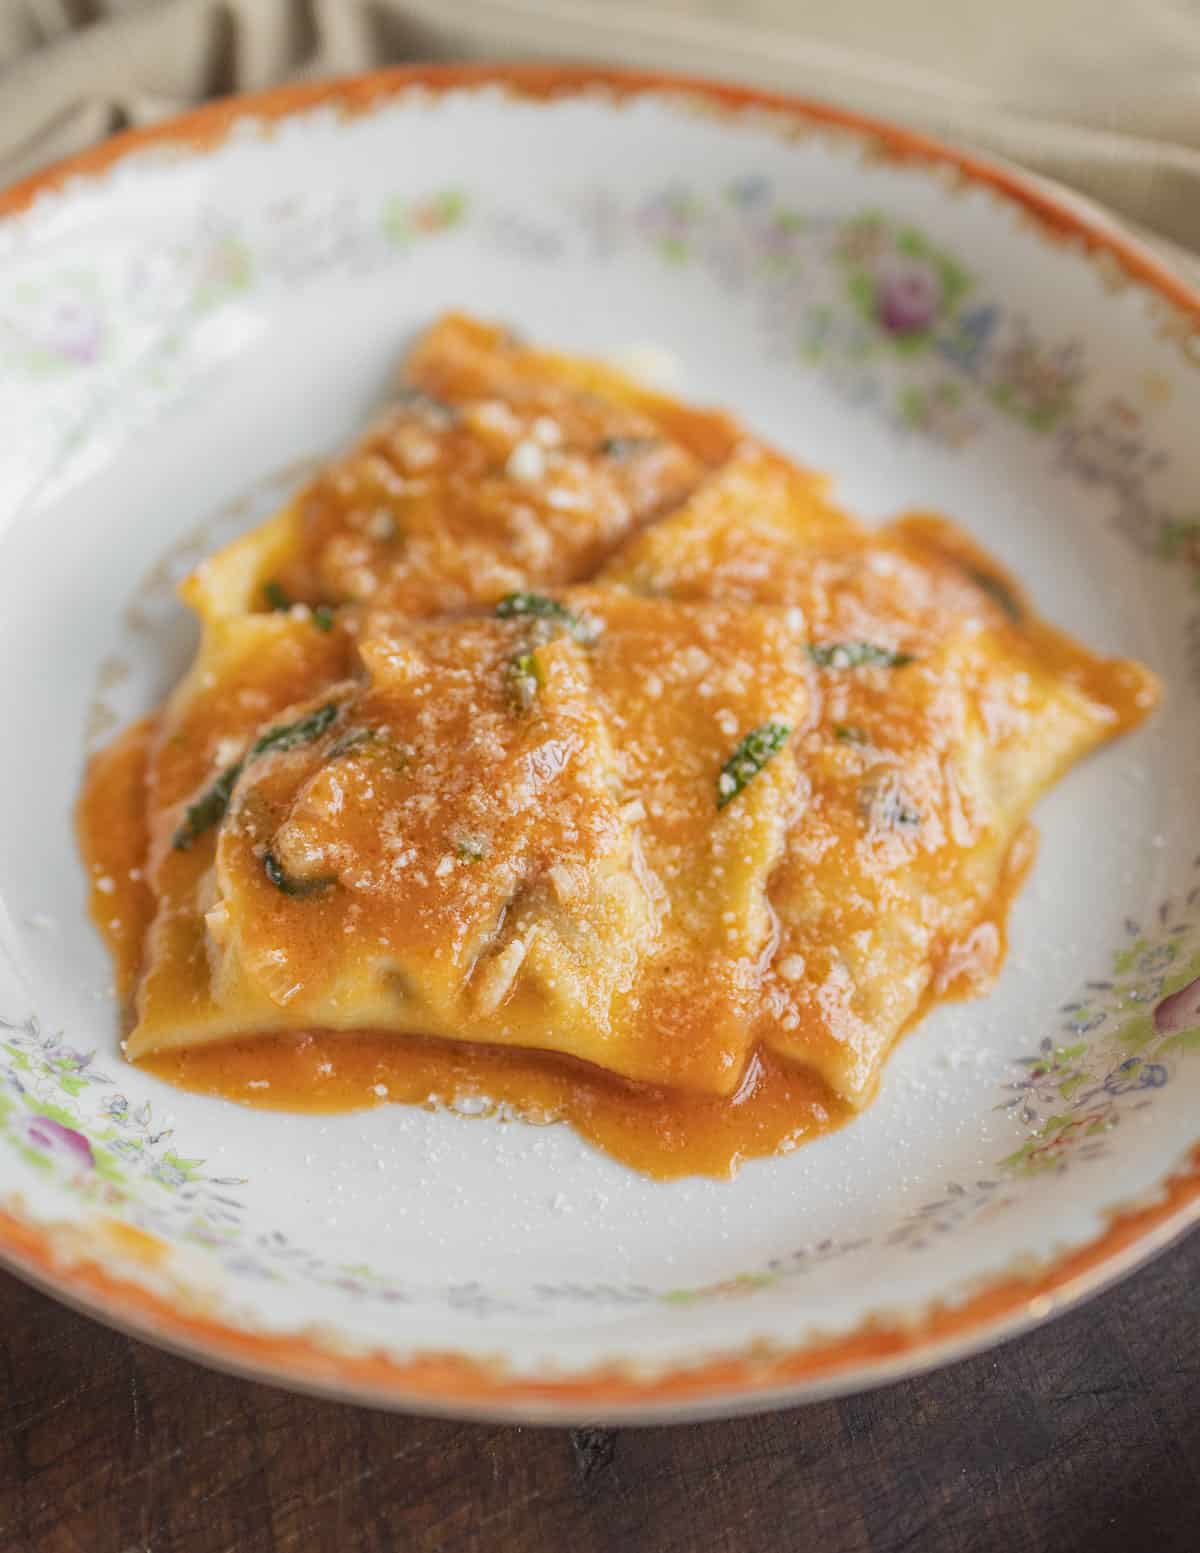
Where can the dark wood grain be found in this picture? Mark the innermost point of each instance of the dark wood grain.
(1083, 1436)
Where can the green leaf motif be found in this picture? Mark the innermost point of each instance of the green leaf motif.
(404, 220)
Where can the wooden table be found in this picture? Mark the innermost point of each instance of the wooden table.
(1084, 1436)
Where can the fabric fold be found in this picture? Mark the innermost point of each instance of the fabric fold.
(1104, 100)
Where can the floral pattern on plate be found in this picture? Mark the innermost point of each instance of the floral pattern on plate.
(898, 326)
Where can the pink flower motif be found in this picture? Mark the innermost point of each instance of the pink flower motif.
(74, 332)
(64, 1142)
(1180, 1011)
(908, 297)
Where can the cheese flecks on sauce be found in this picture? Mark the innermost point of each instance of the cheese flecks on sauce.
(557, 718)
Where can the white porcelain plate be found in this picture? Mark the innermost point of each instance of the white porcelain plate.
(188, 316)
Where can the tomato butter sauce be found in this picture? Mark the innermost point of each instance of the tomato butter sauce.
(114, 838)
(729, 617)
(662, 1133)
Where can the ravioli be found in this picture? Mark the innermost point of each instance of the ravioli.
(247, 672)
(495, 467)
(682, 685)
(454, 846)
(944, 711)
(559, 720)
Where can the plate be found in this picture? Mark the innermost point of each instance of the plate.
(190, 316)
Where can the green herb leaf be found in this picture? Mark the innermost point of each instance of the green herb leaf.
(471, 849)
(289, 736)
(537, 606)
(322, 617)
(275, 595)
(524, 678)
(621, 448)
(209, 808)
(1000, 593)
(751, 755)
(848, 733)
(356, 739)
(289, 884)
(853, 655)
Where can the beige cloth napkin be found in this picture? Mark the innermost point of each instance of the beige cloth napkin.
(1102, 95)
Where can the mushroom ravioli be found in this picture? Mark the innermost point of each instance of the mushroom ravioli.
(563, 747)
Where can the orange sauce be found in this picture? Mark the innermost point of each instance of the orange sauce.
(661, 1132)
(112, 824)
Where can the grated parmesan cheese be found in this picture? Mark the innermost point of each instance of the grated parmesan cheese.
(791, 967)
(526, 463)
